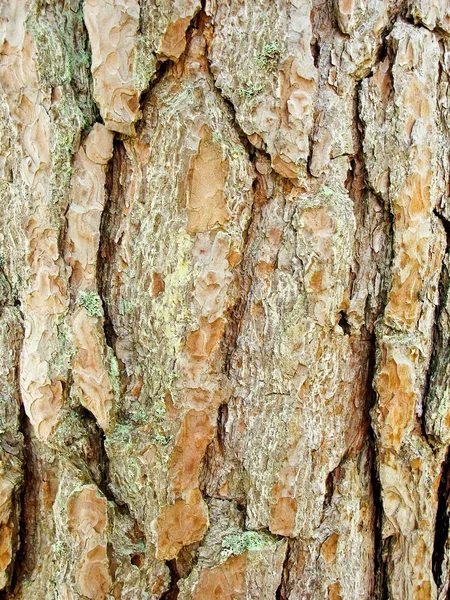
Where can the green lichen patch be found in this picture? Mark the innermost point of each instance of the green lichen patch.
(244, 541)
(160, 439)
(91, 302)
(269, 55)
(326, 192)
(249, 90)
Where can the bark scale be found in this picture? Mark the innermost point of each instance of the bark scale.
(224, 299)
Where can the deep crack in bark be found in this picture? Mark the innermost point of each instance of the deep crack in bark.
(442, 520)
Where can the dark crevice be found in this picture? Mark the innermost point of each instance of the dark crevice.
(106, 487)
(384, 49)
(386, 551)
(173, 591)
(102, 274)
(8, 295)
(79, 87)
(445, 224)
(25, 559)
(102, 252)
(351, 174)
(380, 591)
(429, 378)
(390, 253)
(281, 590)
(112, 179)
(331, 484)
(104, 483)
(315, 51)
(329, 490)
(442, 520)
(234, 319)
(107, 246)
(344, 324)
(379, 566)
(259, 197)
(222, 417)
(436, 335)
(441, 108)
(204, 19)
(356, 187)
(163, 65)
(359, 189)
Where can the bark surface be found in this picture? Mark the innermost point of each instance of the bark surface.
(224, 299)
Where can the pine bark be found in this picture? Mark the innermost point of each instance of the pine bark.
(224, 299)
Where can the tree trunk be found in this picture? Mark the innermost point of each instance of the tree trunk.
(224, 307)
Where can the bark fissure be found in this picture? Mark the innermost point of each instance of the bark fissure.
(380, 591)
(442, 520)
(25, 560)
(280, 595)
(431, 370)
(173, 591)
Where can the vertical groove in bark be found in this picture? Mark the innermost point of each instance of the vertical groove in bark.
(442, 521)
(172, 592)
(22, 560)
(380, 591)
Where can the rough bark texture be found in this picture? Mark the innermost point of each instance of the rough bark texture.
(224, 299)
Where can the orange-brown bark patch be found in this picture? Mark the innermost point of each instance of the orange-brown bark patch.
(200, 399)
(257, 310)
(416, 200)
(423, 591)
(89, 370)
(346, 6)
(282, 516)
(195, 434)
(180, 524)
(206, 202)
(202, 342)
(173, 43)
(158, 285)
(159, 586)
(234, 258)
(87, 519)
(329, 548)
(87, 512)
(5, 546)
(397, 396)
(172, 412)
(224, 490)
(334, 591)
(264, 270)
(45, 410)
(93, 579)
(224, 582)
(285, 167)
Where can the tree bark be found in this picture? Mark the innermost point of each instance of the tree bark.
(224, 299)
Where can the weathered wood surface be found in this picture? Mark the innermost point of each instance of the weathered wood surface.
(224, 299)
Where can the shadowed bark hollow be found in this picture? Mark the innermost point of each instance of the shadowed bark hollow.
(224, 299)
